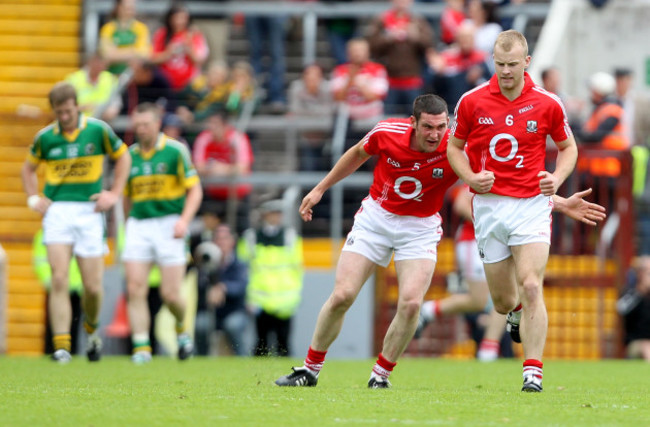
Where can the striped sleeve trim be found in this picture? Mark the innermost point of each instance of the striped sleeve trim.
(117, 154)
(191, 181)
(33, 159)
(387, 127)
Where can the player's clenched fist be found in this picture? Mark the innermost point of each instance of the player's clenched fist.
(548, 184)
(482, 182)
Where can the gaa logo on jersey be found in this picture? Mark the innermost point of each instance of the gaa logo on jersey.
(89, 149)
(485, 121)
(437, 173)
(531, 126)
(161, 168)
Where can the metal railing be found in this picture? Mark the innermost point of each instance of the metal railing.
(310, 12)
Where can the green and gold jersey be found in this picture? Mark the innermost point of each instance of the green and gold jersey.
(74, 161)
(133, 35)
(159, 179)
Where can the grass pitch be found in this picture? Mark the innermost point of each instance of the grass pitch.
(240, 392)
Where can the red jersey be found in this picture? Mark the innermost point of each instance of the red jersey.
(509, 137)
(371, 74)
(407, 182)
(234, 149)
(457, 61)
(180, 69)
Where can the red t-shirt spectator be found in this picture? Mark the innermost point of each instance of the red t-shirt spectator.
(213, 157)
(450, 20)
(369, 74)
(181, 68)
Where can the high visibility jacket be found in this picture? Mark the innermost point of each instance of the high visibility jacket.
(615, 140)
(275, 270)
(641, 178)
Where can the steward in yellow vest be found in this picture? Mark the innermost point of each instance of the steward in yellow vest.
(275, 258)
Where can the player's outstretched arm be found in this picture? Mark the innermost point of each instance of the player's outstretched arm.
(349, 162)
(578, 208)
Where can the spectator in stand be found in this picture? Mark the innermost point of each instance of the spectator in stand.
(217, 89)
(179, 48)
(124, 38)
(459, 68)
(360, 84)
(173, 127)
(483, 14)
(624, 81)
(221, 151)
(95, 86)
(206, 91)
(310, 96)
(340, 31)
(635, 107)
(147, 85)
(605, 127)
(452, 16)
(272, 30)
(241, 86)
(400, 41)
(634, 307)
(552, 82)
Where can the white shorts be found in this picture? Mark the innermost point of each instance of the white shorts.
(377, 233)
(76, 224)
(468, 261)
(152, 240)
(501, 222)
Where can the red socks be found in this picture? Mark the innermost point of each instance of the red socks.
(314, 360)
(383, 367)
(533, 367)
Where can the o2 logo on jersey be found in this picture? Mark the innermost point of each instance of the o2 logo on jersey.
(514, 147)
(416, 194)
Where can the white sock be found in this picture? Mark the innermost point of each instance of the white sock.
(428, 310)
